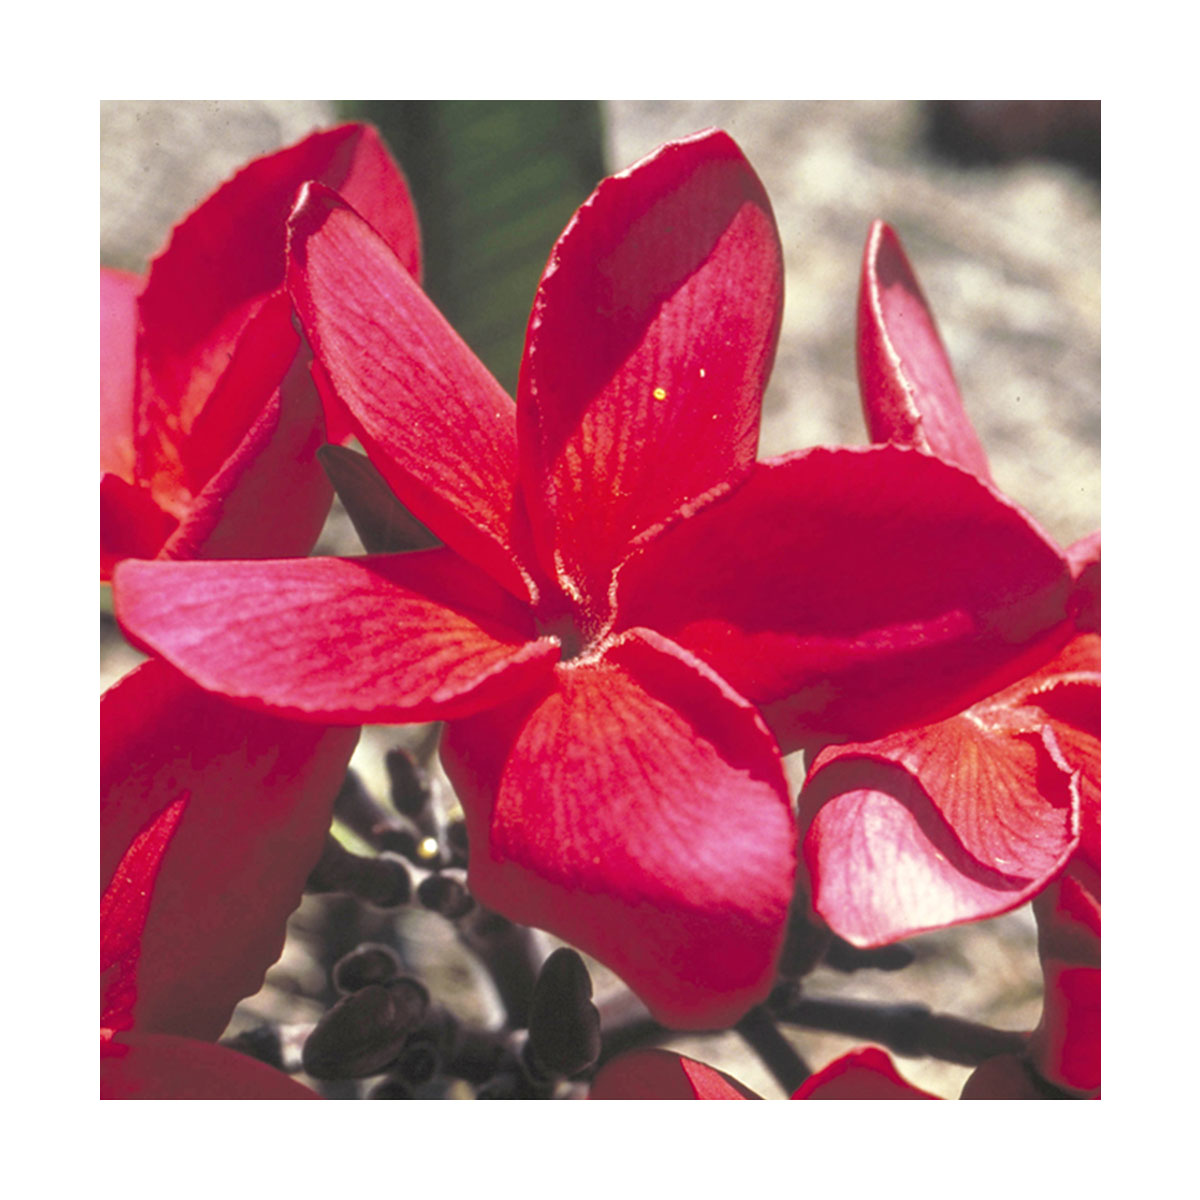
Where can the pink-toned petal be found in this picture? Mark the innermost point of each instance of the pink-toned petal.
(216, 816)
(266, 495)
(162, 1067)
(849, 592)
(932, 827)
(378, 640)
(867, 1074)
(649, 346)
(227, 256)
(118, 336)
(661, 1075)
(904, 376)
(440, 429)
(131, 524)
(1084, 557)
(637, 809)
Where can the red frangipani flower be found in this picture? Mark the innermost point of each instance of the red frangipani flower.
(866, 1074)
(629, 616)
(207, 439)
(211, 819)
(973, 815)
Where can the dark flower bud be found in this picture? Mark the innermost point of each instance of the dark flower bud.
(410, 784)
(365, 964)
(391, 1088)
(361, 812)
(384, 882)
(445, 895)
(419, 1061)
(363, 1033)
(456, 842)
(564, 1024)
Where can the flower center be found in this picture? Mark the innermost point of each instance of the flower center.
(580, 632)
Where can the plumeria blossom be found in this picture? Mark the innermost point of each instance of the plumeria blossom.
(207, 433)
(210, 820)
(866, 1074)
(973, 815)
(628, 618)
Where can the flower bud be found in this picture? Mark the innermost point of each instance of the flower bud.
(367, 963)
(564, 1024)
(445, 895)
(365, 1032)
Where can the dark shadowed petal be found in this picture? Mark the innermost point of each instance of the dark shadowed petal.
(118, 336)
(211, 818)
(162, 1067)
(649, 346)
(440, 429)
(931, 827)
(849, 592)
(661, 1075)
(227, 256)
(383, 640)
(637, 809)
(1084, 557)
(867, 1074)
(907, 386)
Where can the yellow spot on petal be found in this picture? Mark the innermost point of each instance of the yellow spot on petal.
(660, 393)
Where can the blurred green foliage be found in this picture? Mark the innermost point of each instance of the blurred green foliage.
(494, 182)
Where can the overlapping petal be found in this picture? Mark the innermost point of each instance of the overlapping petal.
(851, 591)
(649, 346)
(159, 1066)
(907, 385)
(375, 640)
(211, 819)
(661, 1075)
(436, 424)
(638, 809)
(118, 336)
(866, 1074)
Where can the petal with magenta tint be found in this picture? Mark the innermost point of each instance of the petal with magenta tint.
(661, 1075)
(649, 346)
(131, 524)
(440, 429)
(852, 591)
(217, 815)
(867, 1074)
(118, 337)
(936, 826)
(907, 386)
(163, 1067)
(384, 640)
(227, 256)
(638, 809)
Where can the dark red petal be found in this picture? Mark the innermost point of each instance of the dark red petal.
(954, 822)
(383, 640)
(661, 1075)
(649, 346)
(638, 809)
(852, 591)
(904, 376)
(267, 495)
(440, 429)
(131, 524)
(161, 1067)
(867, 1074)
(118, 336)
(257, 795)
(227, 256)
(1003, 1078)
(1066, 1044)
(1084, 557)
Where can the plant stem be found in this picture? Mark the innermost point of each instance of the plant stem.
(762, 1035)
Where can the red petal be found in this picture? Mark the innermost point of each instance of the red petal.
(661, 1075)
(159, 1067)
(908, 391)
(638, 810)
(118, 335)
(854, 591)
(262, 490)
(227, 257)
(1003, 1078)
(383, 640)
(131, 524)
(649, 346)
(259, 793)
(867, 1074)
(932, 827)
(440, 429)
(1066, 1044)
(1084, 557)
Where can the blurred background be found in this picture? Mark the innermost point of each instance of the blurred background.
(998, 206)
